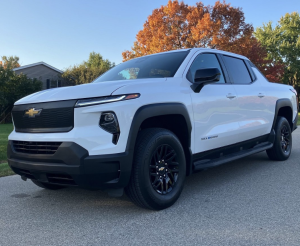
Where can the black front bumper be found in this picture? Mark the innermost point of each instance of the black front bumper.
(71, 165)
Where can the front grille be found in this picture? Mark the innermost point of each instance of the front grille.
(53, 117)
(42, 148)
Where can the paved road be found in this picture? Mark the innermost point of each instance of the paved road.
(252, 201)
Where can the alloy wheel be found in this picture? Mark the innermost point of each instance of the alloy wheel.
(285, 139)
(164, 169)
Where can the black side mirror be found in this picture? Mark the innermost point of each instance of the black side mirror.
(205, 76)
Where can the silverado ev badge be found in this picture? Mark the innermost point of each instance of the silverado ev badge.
(31, 113)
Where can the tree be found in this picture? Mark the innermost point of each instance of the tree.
(179, 26)
(223, 27)
(88, 70)
(282, 43)
(10, 62)
(273, 70)
(12, 88)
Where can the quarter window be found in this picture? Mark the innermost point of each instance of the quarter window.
(205, 61)
(237, 70)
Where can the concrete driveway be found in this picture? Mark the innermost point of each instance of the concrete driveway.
(252, 201)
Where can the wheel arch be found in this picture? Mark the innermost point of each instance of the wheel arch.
(147, 115)
(284, 108)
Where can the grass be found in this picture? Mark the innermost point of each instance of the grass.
(298, 123)
(5, 130)
(5, 170)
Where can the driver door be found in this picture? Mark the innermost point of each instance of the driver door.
(216, 118)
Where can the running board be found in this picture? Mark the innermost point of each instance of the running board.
(207, 163)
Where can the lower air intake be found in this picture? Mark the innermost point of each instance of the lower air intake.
(36, 148)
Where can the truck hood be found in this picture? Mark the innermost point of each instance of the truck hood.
(74, 92)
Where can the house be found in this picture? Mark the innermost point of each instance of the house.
(50, 76)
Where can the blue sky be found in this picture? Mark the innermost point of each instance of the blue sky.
(63, 32)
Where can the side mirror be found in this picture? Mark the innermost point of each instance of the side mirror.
(205, 76)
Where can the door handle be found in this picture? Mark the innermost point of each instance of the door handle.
(261, 95)
(230, 96)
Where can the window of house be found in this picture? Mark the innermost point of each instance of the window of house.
(48, 83)
(55, 83)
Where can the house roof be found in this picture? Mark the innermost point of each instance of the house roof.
(37, 64)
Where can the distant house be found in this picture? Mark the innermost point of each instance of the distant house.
(50, 76)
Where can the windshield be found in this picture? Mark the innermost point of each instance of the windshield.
(155, 66)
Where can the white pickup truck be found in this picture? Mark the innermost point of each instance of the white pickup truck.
(146, 124)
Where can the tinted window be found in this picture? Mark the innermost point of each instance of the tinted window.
(156, 66)
(205, 61)
(253, 66)
(237, 70)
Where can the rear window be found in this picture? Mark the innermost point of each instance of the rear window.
(237, 70)
(155, 66)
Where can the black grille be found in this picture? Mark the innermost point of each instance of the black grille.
(53, 117)
(44, 148)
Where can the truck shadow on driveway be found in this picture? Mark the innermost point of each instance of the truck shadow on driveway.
(220, 184)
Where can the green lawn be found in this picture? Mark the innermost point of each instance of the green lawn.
(5, 170)
(5, 130)
(298, 123)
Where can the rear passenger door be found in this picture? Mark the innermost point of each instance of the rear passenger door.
(251, 107)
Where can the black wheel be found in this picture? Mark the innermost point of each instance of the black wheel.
(47, 186)
(282, 147)
(158, 171)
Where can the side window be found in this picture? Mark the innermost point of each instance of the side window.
(253, 66)
(205, 61)
(237, 70)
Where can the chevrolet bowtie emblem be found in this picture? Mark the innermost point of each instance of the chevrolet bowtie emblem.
(31, 113)
(161, 169)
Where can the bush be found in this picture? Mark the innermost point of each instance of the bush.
(12, 88)
(88, 70)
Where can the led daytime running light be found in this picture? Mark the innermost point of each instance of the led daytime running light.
(101, 100)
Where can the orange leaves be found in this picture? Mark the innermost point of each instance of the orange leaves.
(177, 25)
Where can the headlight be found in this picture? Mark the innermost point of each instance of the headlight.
(108, 99)
(109, 123)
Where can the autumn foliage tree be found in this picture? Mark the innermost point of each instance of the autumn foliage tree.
(178, 26)
(10, 62)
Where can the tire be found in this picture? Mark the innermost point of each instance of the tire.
(282, 147)
(158, 171)
(47, 186)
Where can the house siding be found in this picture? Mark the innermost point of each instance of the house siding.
(42, 73)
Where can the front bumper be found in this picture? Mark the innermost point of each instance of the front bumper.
(71, 165)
